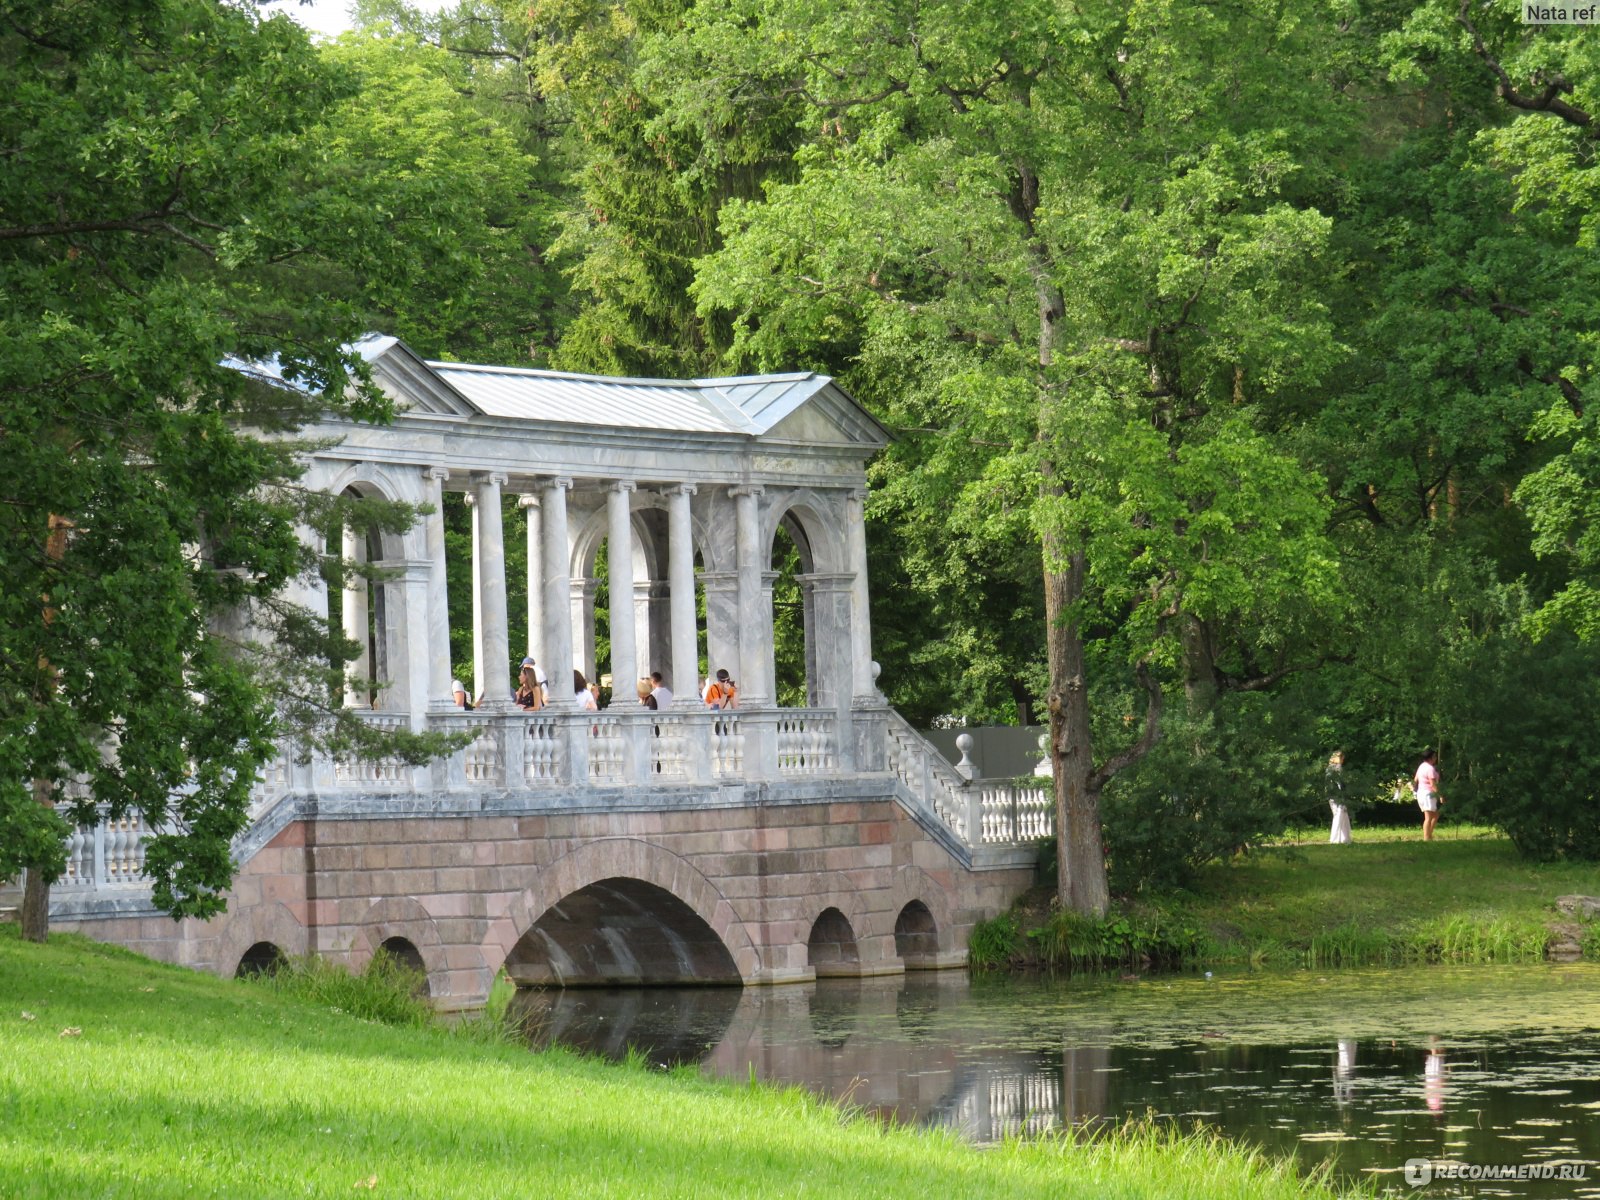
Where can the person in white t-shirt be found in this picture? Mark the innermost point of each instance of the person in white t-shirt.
(660, 690)
(1426, 785)
(583, 693)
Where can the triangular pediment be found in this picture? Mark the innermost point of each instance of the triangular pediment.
(830, 416)
(407, 379)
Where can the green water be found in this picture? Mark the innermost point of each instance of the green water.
(1360, 1069)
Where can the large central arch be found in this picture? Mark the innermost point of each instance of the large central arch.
(622, 911)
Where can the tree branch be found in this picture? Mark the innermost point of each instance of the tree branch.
(1147, 738)
(1548, 101)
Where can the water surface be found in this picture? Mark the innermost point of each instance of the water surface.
(1362, 1068)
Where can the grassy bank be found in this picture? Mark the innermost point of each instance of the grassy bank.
(1389, 898)
(123, 1077)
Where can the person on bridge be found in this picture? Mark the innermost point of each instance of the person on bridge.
(721, 692)
(646, 694)
(530, 690)
(459, 691)
(581, 692)
(660, 691)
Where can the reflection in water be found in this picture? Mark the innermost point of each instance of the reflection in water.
(1433, 1077)
(992, 1062)
(1344, 1072)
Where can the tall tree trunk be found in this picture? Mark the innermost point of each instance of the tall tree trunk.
(36, 888)
(1080, 855)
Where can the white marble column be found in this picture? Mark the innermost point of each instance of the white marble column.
(530, 505)
(685, 668)
(477, 600)
(492, 558)
(358, 671)
(619, 559)
(863, 685)
(830, 655)
(411, 654)
(557, 560)
(755, 632)
(645, 634)
(437, 625)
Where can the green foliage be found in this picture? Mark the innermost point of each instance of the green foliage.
(388, 991)
(1528, 725)
(1071, 941)
(992, 943)
(186, 201)
(1219, 781)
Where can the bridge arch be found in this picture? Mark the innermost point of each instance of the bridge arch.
(914, 888)
(271, 923)
(402, 919)
(622, 910)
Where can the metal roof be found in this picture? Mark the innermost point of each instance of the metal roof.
(750, 405)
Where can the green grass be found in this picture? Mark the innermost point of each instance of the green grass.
(1389, 898)
(120, 1077)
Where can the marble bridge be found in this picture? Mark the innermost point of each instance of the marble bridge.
(766, 844)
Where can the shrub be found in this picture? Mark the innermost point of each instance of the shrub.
(1216, 782)
(1531, 706)
(993, 943)
(388, 991)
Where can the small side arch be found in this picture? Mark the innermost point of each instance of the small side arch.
(271, 924)
(914, 888)
(831, 947)
(402, 919)
(264, 958)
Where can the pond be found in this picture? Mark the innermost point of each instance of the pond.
(1365, 1069)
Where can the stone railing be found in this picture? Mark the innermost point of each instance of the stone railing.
(1014, 812)
(808, 741)
(979, 812)
(929, 777)
(107, 855)
(621, 748)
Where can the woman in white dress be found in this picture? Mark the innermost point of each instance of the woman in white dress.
(1340, 834)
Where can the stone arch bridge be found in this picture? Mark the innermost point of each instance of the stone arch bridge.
(769, 843)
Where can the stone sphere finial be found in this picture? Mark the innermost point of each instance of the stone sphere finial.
(877, 669)
(966, 768)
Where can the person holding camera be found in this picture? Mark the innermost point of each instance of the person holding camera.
(721, 692)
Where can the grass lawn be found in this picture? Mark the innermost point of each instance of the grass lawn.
(1390, 895)
(120, 1077)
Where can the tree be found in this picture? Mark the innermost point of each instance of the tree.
(1086, 236)
(169, 210)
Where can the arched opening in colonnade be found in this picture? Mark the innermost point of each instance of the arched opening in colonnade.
(809, 625)
(620, 932)
(791, 626)
(365, 607)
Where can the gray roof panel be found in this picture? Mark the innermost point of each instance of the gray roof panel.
(531, 395)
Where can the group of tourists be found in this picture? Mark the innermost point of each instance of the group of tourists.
(1424, 787)
(533, 690)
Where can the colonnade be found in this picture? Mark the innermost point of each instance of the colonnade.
(731, 526)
